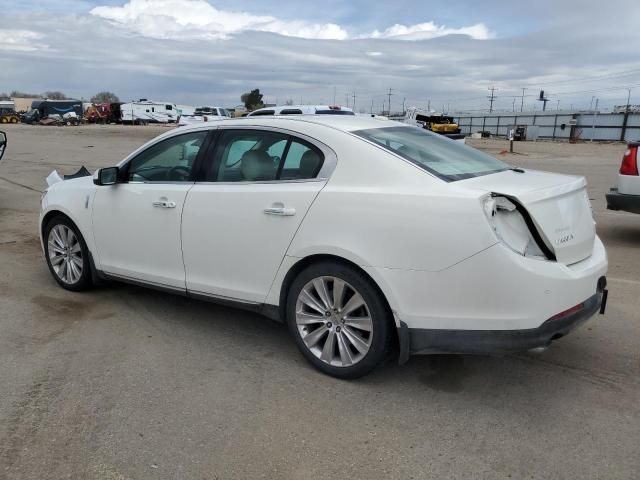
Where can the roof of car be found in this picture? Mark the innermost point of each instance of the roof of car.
(346, 123)
(303, 108)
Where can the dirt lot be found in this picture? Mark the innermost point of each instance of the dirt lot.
(128, 383)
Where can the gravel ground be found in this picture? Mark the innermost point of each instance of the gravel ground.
(128, 383)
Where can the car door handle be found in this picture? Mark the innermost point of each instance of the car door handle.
(164, 204)
(279, 209)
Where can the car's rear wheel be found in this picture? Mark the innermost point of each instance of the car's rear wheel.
(338, 319)
(67, 254)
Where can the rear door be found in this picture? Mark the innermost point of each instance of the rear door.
(239, 220)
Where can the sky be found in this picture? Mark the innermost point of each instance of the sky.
(443, 54)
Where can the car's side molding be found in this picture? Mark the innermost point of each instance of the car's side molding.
(269, 311)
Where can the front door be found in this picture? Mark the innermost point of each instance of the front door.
(238, 223)
(137, 221)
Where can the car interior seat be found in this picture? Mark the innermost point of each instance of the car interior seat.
(309, 164)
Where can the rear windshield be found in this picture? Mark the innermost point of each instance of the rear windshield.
(445, 158)
(334, 112)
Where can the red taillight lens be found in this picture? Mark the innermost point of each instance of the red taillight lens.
(568, 312)
(205, 118)
(630, 161)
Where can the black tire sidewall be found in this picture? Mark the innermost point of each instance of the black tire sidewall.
(85, 279)
(378, 310)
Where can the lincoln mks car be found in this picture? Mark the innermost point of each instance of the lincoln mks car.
(368, 237)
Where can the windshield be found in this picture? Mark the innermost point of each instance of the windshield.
(445, 158)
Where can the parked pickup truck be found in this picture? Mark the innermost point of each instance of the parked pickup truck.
(204, 114)
(627, 195)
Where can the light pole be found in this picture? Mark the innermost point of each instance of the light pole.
(593, 125)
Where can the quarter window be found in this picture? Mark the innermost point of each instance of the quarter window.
(170, 160)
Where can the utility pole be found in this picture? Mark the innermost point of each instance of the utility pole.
(405, 99)
(522, 101)
(429, 105)
(491, 98)
(593, 126)
(513, 107)
(372, 106)
(591, 104)
(389, 102)
(558, 105)
(334, 95)
(354, 102)
(628, 99)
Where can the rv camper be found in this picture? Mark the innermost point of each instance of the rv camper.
(145, 111)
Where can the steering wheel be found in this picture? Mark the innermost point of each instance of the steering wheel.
(178, 173)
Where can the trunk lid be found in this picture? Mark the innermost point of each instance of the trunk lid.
(558, 205)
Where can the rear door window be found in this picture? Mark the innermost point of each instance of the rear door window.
(258, 156)
(303, 161)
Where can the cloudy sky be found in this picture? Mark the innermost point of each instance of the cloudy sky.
(211, 51)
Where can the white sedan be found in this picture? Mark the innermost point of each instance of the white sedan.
(364, 236)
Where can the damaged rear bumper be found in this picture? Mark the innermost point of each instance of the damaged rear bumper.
(416, 341)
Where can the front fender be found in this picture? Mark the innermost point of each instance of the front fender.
(74, 199)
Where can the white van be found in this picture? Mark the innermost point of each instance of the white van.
(302, 110)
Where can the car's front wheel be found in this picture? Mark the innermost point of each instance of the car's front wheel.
(67, 254)
(338, 319)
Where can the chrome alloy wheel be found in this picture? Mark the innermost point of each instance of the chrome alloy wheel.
(334, 321)
(65, 254)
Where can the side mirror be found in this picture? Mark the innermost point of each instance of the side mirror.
(106, 176)
(3, 143)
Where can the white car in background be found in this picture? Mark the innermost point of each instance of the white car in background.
(3, 144)
(357, 232)
(627, 195)
(302, 110)
(204, 114)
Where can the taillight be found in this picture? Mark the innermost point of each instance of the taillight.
(630, 161)
(570, 311)
(205, 118)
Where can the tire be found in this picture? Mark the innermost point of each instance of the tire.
(13, 120)
(341, 345)
(67, 255)
(3, 120)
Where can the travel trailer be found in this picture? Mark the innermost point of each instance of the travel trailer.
(145, 111)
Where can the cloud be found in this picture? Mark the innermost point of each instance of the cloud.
(428, 30)
(21, 40)
(189, 19)
(198, 19)
(99, 53)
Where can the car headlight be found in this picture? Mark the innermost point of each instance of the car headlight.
(510, 227)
